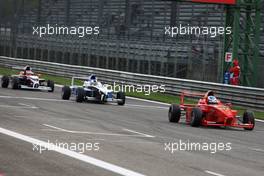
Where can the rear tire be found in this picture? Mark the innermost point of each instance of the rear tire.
(249, 118)
(15, 83)
(196, 117)
(5, 81)
(174, 113)
(66, 93)
(122, 96)
(51, 85)
(80, 95)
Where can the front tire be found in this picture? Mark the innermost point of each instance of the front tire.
(80, 95)
(5, 81)
(122, 96)
(196, 117)
(66, 93)
(174, 113)
(51, 85)
(249, 118)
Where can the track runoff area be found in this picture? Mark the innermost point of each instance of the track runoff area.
(41, 134)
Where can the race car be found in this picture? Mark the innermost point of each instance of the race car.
(26, 79)
(92, 90)
(209, 111)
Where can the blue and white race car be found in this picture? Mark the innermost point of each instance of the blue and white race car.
(92, 90)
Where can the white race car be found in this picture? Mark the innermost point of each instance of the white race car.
(92, 90)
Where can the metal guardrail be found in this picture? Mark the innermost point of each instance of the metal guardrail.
(238, 95)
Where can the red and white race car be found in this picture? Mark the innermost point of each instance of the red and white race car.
(26, 79)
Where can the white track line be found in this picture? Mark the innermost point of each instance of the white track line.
(58, 85)
(22, 104)
(150, 101)
(85, 158)
(259, 120)
(143, 134)
(32, 98)
(257, 149)
(145, 106)
(20, 107)
(213, 173)
(104, 134)
(56, 128)
(27, 105)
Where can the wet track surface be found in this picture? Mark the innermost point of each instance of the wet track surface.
(132, 137)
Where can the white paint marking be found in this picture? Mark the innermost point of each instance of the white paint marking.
(94, 133)
(56, 128)
(32, 98)
(150, 101)
(257, 149)
(85, 158)
(16, 107)
(143, 134)
(20, 116)
(27, 105)
(58, 85)
(213, 173)
(22, 104)
(259, 120)
(51, 130)
(94, 139)
(145, 106)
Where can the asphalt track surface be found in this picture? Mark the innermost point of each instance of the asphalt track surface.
(131, 140)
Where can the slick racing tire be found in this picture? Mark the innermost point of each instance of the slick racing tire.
(249, 118)
(5, 81)
(51, 85)
(174, 113)
(122, 97)
(80, 94)
(196, 117)
(66, 93)
(15, 83)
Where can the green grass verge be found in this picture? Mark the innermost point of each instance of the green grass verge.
(161, 97)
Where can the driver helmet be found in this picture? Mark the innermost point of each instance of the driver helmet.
(212, 99)
(93, 79)
(27, 68)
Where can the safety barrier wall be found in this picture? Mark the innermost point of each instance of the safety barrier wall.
(238, 95)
